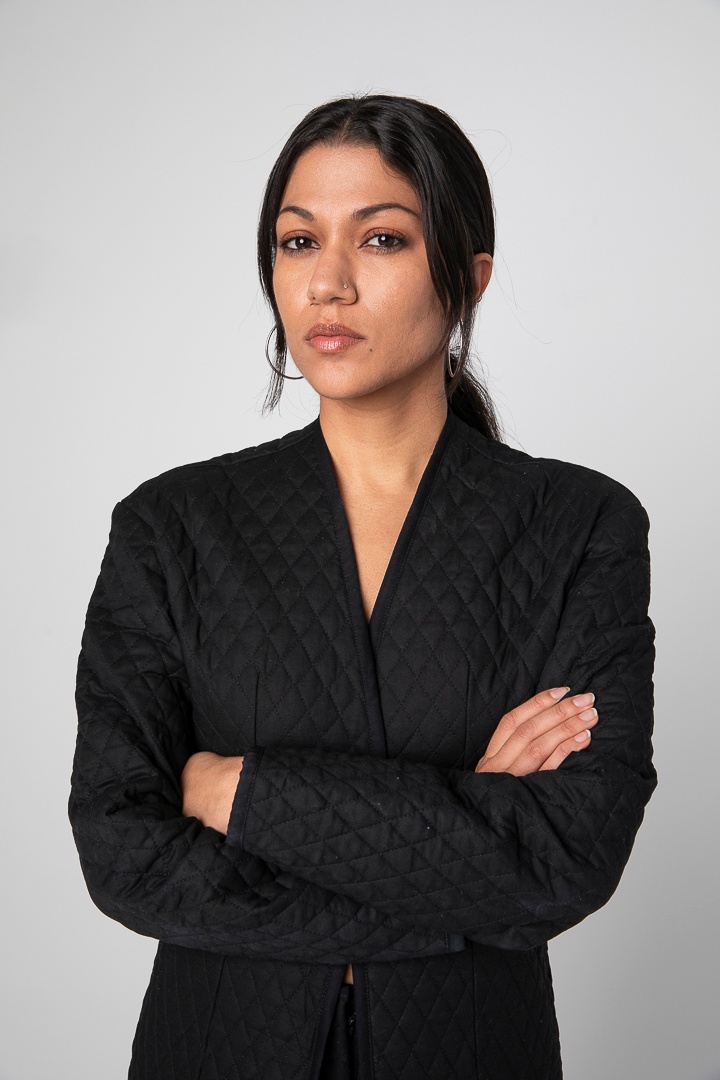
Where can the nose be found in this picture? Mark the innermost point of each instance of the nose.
(331, 279)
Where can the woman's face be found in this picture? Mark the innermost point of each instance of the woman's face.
(350, 252)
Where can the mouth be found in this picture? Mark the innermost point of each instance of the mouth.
(332, 337)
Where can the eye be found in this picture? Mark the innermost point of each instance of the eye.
(387, 241)
(295, 244)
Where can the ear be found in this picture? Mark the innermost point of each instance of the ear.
(482, 266)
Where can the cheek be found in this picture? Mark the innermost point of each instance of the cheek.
(414, 312)
(290, 300)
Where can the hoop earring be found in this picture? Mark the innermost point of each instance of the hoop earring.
(451, 373)
(280, 374)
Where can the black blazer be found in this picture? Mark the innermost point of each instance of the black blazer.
(228, 617)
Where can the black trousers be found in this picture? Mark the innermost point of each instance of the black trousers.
(340, 1058)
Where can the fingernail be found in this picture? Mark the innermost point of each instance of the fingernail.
(582, 736)
(589, 714)
(584, 699)
(558, 692)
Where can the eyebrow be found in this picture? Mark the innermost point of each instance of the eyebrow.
(357, 215)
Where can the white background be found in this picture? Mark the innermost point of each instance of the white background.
(136, 138)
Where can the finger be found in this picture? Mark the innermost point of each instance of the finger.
(522, 759)
(546, 699)
(569, 746)
(534, 756)
(529, 736)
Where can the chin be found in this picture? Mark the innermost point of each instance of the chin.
(346, 378)
(340, 381)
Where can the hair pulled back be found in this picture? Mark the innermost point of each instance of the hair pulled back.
(426, 146)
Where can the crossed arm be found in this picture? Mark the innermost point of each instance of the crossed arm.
(534, 737)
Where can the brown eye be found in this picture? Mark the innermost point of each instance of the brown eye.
(295, 244)
(386, 241)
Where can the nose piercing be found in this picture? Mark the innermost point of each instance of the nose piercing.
(313, 297)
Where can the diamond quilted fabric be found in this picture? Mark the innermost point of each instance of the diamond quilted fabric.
(227, 617)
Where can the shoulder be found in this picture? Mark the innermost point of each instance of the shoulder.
(555, 489)
(221, 477)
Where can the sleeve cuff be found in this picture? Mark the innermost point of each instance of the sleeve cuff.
(243, 797)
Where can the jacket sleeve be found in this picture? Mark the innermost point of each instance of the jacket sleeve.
(502, 860)
(159, 873)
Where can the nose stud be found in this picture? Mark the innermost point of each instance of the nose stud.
(314, 298)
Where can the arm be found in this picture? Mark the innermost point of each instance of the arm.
(148, 866)
(505, 860)
(536, 735)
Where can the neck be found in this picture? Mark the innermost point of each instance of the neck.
(386, 444)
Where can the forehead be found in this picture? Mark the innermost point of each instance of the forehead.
(345, 178)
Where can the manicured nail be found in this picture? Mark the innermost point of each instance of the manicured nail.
(558, 692)
(588, 714)
(583, 699)
(582, 736)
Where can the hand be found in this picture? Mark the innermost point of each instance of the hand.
(539, 734)
(208, 784)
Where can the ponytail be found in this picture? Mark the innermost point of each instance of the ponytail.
(470, 401)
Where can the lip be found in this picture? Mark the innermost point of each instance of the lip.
(331, 330)
(332, 337)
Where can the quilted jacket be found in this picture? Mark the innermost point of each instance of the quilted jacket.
(228, 617)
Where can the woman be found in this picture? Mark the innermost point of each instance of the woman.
(336, 691)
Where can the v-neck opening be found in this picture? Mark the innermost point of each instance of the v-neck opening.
(401, 549)
(404, 539)
(367, 634)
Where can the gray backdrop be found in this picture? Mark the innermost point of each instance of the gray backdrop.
(137, 137)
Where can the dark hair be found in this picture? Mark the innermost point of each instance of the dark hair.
(425, 145)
